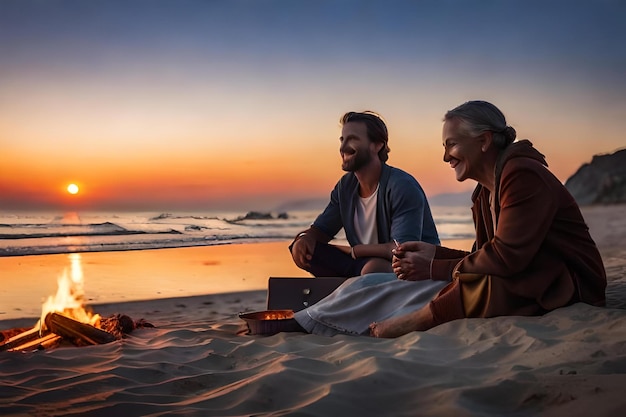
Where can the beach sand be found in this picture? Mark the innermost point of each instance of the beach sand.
(199, 361)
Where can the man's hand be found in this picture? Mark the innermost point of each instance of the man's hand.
(411, 260)
(302, 251)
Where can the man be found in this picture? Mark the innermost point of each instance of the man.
(373, 202)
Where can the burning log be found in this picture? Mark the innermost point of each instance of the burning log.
(80, 333)
(60, 328)
(44, 342)
(20, 339)
(6, 334)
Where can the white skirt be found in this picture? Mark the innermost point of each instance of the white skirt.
(359, 301)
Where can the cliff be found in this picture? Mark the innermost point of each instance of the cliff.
(602, 181)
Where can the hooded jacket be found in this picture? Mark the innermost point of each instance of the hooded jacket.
(538, 256)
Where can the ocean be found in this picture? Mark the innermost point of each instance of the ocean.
(36, 233)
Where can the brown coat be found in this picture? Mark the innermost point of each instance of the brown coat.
(541, 256)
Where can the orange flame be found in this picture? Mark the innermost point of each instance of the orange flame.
(70, 296)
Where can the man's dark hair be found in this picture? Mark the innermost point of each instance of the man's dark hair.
(376, 129)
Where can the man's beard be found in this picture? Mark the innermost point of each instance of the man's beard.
(359, 160)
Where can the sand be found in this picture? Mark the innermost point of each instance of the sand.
(199, 361)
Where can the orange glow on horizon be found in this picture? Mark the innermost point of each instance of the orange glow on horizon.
(271, 174)
(168, 183)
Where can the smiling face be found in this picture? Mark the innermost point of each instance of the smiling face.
(462, 151)
(356, 150)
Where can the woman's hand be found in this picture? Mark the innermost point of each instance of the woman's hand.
(411, 260)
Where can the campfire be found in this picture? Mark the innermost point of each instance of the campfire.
(66, 320)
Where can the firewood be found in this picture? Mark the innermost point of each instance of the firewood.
(20, 339)
(40, 343)
(9, 333)
(79, 333)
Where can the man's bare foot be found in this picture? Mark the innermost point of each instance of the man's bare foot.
(418, 320)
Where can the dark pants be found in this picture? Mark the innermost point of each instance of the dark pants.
(328, 261)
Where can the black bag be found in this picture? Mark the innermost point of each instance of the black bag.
(287, 293)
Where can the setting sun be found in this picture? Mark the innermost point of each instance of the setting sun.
(72, 189)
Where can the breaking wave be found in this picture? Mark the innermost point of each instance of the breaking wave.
(49, 233)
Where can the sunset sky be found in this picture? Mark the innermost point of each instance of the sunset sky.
(204, 105)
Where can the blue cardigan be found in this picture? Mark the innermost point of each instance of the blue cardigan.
(402, 211)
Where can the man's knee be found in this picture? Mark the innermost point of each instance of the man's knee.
(329, 261)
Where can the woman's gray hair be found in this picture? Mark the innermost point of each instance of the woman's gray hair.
(477, 117)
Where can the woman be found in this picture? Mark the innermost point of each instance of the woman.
(532, 253)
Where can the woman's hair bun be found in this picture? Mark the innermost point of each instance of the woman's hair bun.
(509, 134)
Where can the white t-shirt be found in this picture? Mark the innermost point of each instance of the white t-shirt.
(365, 219)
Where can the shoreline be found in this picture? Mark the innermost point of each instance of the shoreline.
(122, 247)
